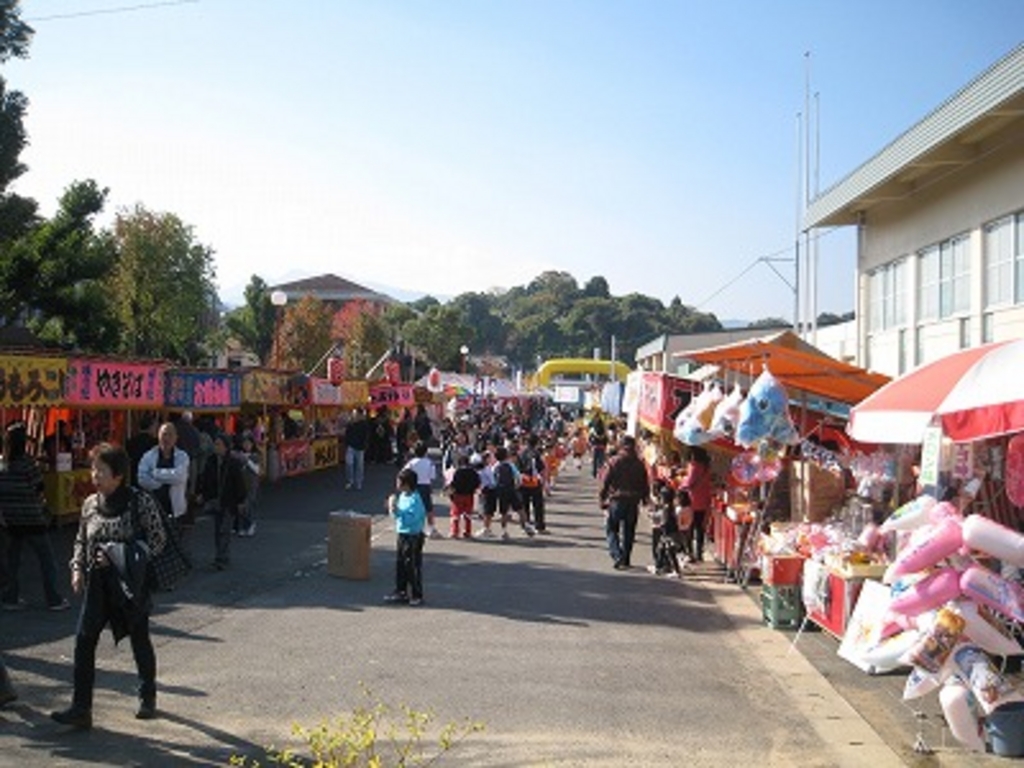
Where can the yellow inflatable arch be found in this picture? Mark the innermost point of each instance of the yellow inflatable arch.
(580, 365)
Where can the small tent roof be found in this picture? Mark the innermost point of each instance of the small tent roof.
(796, 364)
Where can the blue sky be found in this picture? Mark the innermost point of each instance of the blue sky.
(455, 145)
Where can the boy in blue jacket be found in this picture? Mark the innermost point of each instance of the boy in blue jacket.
(410, 515)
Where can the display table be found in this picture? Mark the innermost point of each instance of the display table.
(842, 590)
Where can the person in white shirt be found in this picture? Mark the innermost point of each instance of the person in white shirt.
(425, 474)
(163, 471)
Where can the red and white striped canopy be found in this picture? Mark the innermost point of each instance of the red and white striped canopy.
(973, 394)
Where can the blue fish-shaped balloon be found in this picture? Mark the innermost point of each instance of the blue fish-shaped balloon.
(765, 414)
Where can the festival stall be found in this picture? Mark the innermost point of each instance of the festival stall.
(100, 396)
(952, 599)
(790, 470)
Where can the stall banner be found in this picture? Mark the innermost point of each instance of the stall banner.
(355, 393)
(97, 382)
(326, 452)
(32, 380)
(214, 390)
(661, 397)
(323, 392)
(392, 396)
(294, 456)
(264, 387)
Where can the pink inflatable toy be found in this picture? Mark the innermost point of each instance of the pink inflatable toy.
(945, 540)
(993, 539)
(985, 631)
(992, 590)
(911, 515)
(931, 592)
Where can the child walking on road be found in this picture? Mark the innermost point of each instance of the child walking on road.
(410, 515)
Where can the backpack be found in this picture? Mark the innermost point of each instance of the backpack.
(504, 477)
(527, 463)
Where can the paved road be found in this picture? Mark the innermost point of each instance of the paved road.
(565, 661)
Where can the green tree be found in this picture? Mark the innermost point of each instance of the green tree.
(164, 281)
(490, 334)
(439, 333)
(17, 213)
(56, 276)
(769, 322)
(254, 323)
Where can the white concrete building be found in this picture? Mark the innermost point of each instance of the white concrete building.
(939, 214)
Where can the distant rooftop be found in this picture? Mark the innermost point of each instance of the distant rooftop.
(330, 288)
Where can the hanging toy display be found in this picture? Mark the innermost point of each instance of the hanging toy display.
(692, 426)
(727, 414)
(765, 414)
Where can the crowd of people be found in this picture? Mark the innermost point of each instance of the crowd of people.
(499, 463)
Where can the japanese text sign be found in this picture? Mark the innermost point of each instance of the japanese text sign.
(96, 382)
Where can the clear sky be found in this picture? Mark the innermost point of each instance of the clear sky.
(442, 146)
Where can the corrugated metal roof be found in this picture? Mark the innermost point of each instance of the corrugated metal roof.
(988, 104)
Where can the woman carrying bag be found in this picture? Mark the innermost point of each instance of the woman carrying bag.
(119, 530)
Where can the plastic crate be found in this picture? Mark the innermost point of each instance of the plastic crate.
(782, 606)
(782, 571)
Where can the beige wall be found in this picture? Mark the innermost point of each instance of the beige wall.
(961, 203)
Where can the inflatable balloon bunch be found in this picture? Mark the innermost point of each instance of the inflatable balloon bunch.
(693, 424)
(948, 612)
(764, 415)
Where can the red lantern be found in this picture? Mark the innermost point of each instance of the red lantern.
(336, 370)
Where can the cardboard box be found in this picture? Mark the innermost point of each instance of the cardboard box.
(348, 545)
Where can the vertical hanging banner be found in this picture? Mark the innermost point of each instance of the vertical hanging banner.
(203, 390)
(32, 380)
(103, 383)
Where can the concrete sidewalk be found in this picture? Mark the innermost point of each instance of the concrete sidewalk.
(245, 652)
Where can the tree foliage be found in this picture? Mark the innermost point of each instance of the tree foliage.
(254, 322)
(304, 334)
(55, 276)
(17, 213)
(164, 287)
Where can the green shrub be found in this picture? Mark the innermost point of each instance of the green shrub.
(372, 736)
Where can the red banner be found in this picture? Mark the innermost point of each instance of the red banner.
(661, 399)
(294, 456)
(98, 382)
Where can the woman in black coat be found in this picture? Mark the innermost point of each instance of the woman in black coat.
(222, 488)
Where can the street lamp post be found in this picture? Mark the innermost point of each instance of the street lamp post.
(278, 299)
(463, 350)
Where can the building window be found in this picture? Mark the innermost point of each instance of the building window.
(1004, 261)
(987, 328)
(944, 289)
(887, 296)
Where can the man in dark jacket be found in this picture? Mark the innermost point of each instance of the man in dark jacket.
(222, 486)
(624, 488)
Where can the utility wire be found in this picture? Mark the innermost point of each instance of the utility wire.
(109, 11)
(767, 259)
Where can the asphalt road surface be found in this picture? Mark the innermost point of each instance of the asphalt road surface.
(563, 660)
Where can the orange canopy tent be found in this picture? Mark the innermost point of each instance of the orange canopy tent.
(796, 364)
